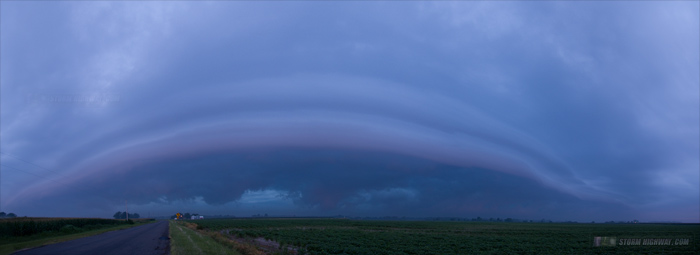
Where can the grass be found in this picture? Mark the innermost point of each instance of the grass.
(185, 241)
(10, 245)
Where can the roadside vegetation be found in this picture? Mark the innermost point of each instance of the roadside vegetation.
(186, 240)
(22, 233)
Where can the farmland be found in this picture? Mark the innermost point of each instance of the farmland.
(31, 226)
(19, 233)
(339, 236)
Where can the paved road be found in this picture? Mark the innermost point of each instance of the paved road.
(149, 239)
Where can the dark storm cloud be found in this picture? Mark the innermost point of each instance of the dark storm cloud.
(513, 109)
(338, 180)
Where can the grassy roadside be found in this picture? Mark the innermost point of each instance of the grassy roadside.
(185, 241)
(13, 246)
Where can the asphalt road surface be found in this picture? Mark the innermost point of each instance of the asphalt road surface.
(149, 239)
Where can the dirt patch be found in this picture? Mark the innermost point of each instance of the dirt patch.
(224, 238)
(268, 246)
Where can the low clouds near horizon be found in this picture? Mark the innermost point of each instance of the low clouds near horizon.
(558, 110)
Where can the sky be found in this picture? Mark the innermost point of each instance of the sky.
(561, 110)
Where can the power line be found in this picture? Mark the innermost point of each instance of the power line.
(28, 172)
(57, 181)
(60, 175)
(32, 173)
(43, 176)
(28, 162)
(38, 175)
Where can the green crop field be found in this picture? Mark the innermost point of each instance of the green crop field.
(339, 236)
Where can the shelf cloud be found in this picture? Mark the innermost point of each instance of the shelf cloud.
(558, 110)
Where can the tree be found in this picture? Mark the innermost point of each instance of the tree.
(11, 215)
(188, 216)
(122, 215)
(2, 214)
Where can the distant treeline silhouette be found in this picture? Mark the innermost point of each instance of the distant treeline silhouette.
(7, 215)
(122, 215)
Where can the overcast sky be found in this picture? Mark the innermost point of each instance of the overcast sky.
(563, 110)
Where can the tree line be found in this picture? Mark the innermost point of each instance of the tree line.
(122, 215)
(7, 215)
